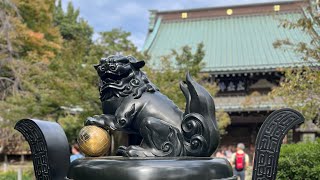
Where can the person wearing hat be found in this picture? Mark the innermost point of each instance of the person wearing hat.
(239, 161)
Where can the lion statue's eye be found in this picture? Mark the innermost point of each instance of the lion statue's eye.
(102, 68)
(112, 67)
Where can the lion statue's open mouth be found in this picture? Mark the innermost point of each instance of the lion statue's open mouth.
(121, 76)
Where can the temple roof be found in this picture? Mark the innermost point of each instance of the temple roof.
(239, 42)
(248, 103)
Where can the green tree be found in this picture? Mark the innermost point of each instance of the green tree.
(8, 81)
(27, 45)
(39, 39)
(29, 51)
(51, 56)
(31, 46)
(113, 42)
(53, 82)
(71, 26)
(72, 78)
(300, 88)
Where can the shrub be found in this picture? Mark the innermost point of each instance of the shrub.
(299, 161)
(12, 175)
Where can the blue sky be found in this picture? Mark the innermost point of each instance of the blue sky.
(132, 16)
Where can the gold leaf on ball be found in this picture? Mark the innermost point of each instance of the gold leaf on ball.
(94, 141)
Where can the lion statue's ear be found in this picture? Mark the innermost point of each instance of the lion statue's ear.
(96, 66)
(138, 64)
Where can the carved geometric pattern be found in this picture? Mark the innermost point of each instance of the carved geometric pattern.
(38, 146)
(269, 141)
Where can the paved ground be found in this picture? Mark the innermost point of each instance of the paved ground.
(248, 173)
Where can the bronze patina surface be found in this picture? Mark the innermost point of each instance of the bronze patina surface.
(151, 168)
(131, 103)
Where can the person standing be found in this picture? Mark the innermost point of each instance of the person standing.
(229, 153)
(220, 154)
(75, 153)
(239, 161)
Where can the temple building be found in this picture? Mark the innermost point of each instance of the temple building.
(239, 55)
(13, 147)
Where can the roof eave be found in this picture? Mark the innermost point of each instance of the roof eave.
(232, 6)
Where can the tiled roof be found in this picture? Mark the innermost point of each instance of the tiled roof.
(248, 103)
(231, 43)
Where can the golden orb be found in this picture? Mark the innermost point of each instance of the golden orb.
(93, 141)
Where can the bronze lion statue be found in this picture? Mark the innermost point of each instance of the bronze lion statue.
(131, 103)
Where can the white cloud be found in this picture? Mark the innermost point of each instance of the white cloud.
(132, 16)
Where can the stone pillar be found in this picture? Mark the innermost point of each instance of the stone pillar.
(5, 163)
(19, 173)
(22, 159)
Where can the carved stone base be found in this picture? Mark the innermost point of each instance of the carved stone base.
(173, 168)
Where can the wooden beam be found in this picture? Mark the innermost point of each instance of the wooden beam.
(247, 119)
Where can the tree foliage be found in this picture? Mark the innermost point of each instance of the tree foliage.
(38, 39)
(117, 41)
(70, 25)
(53, 71)
(30, 49)
(47, 57)
(299, 161)
(301, 86)
(8, 77)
